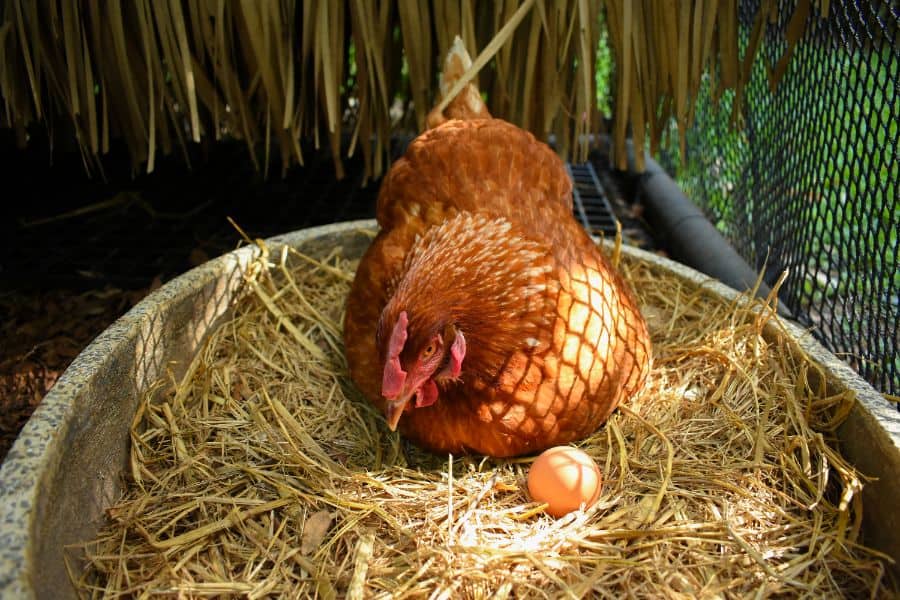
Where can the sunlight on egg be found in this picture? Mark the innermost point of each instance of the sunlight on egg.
(564, 478)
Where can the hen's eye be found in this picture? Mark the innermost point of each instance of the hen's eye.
(428, 351)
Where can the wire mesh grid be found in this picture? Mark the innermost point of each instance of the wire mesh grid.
(810, 184)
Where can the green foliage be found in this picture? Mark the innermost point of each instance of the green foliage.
(604, 70)
(811, 176)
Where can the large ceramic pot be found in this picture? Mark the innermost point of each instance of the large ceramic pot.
(66, 467)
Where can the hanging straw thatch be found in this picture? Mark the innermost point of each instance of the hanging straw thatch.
(264, 473)
(663, 51)
(161, 75)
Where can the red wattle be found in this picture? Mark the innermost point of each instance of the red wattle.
(427, 394)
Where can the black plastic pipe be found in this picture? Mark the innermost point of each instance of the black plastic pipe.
(686, 232)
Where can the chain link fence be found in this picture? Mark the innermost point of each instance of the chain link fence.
(810, 183)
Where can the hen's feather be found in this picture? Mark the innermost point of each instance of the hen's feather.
(468, 104)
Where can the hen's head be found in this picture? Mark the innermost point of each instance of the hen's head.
(416, 357)
(473, 273)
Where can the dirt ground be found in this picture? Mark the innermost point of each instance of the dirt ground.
(79, 251)
(43, 331)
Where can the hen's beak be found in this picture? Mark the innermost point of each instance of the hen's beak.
(394, 410)
(396, 405)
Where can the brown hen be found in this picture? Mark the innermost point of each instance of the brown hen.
(483, 318)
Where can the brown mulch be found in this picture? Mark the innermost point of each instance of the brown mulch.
(42, 332)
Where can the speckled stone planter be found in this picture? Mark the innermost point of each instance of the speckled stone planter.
(66, 466)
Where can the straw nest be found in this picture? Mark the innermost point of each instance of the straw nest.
(265, 473)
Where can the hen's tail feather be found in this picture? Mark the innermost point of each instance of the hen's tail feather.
(456, 64)
(468, 103)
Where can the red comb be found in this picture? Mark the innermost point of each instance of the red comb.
(394, 375)
(398, 336)
(457, 354)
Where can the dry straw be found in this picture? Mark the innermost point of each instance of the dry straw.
(162, 75)
(265, 473)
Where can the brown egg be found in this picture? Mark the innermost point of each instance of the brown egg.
(564, 477)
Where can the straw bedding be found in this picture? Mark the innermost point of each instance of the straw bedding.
(264, 473)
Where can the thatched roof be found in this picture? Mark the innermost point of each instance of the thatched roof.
(162, 75)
